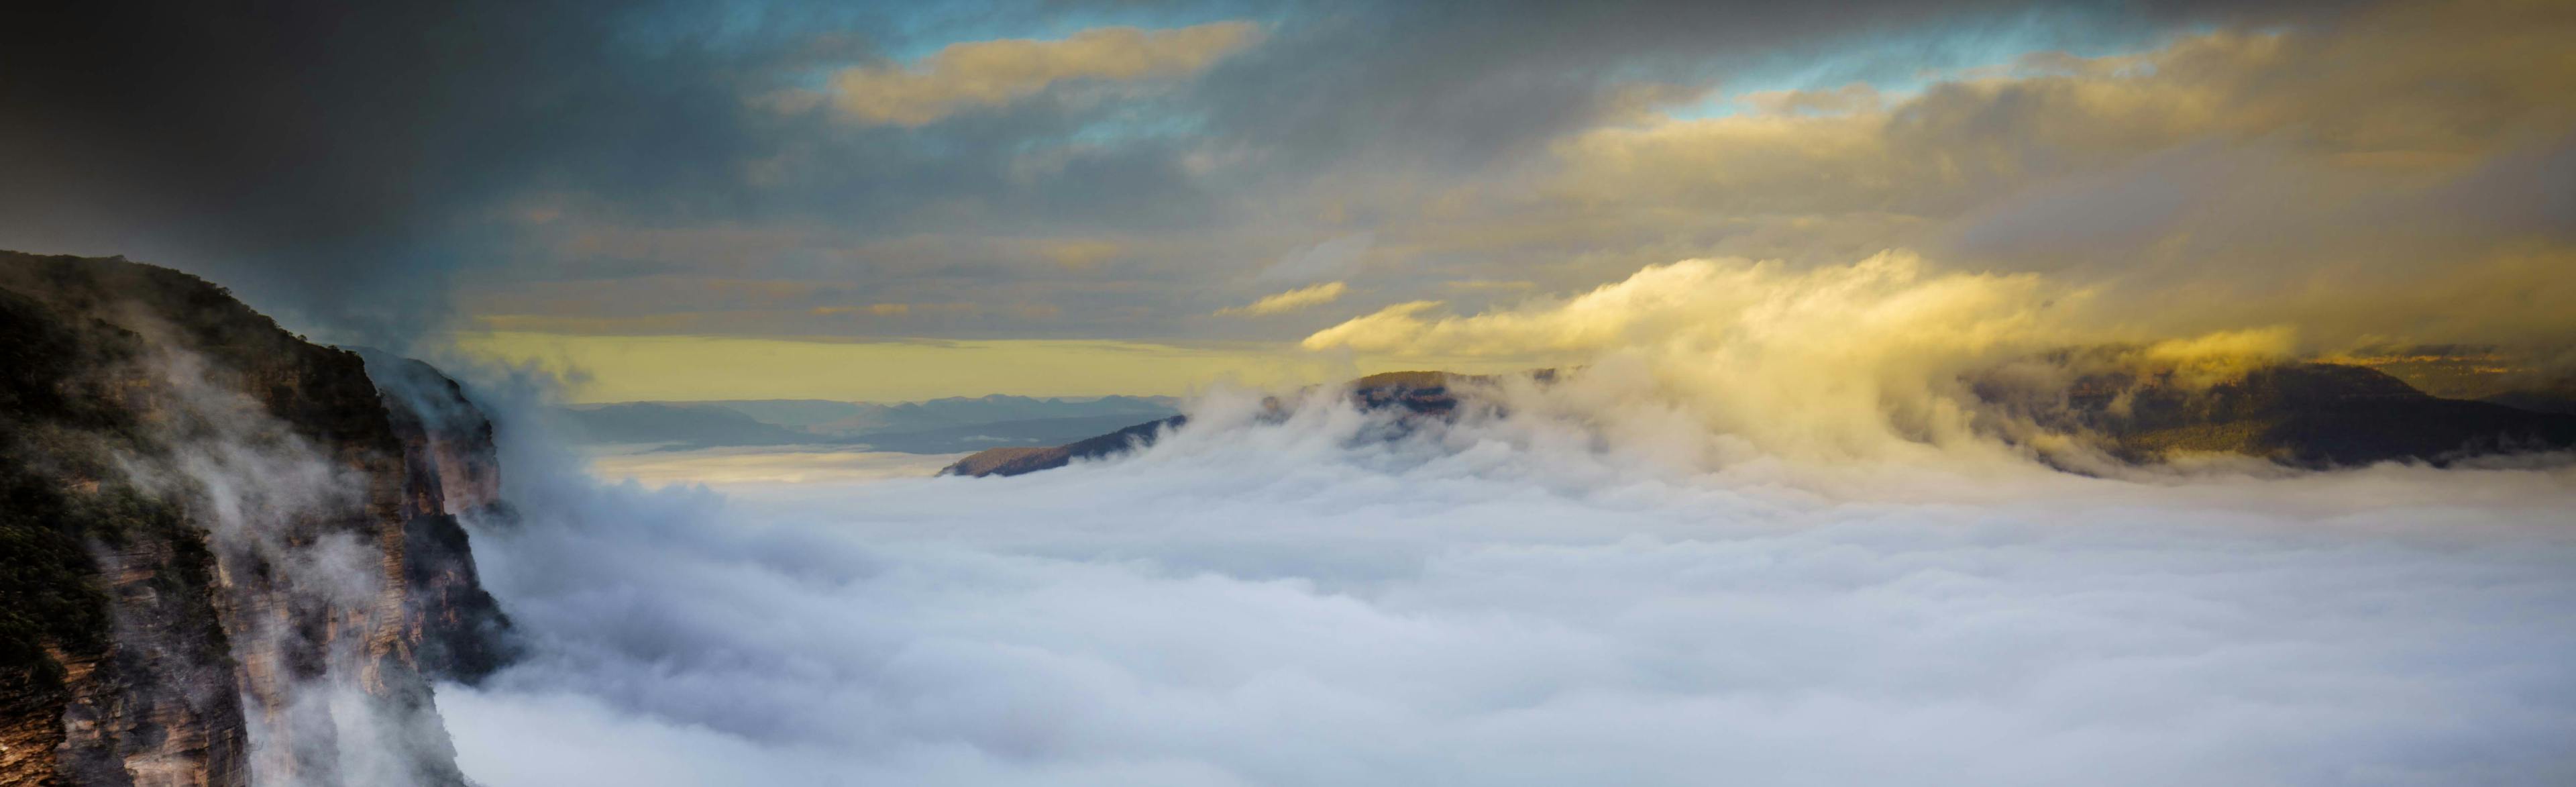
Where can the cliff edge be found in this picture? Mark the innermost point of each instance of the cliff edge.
(228, 554)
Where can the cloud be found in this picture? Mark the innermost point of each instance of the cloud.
(1291, 300)
(993, 73)
(1887, 297)
(2289, 175)
(1332, 259)
(1853, 361)
(2365, 96)
(1080, 254)
(1528, 600)
(303, 183)
(2356, 172)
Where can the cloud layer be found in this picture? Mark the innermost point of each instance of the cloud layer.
(994, 73)
(1532, 600)
(1125, 171)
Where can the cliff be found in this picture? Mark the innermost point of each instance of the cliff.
(2310, 415)
(228, 557)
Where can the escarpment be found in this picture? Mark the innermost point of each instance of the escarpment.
(454, 628)
(229, 556)
(2300, 414)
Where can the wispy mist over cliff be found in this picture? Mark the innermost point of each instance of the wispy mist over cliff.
(1536, 596)
(226, 562)
(313, 618)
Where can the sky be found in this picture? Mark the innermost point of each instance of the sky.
(896, 201)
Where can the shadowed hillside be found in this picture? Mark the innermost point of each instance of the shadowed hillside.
(208, 525)
(2310, 415)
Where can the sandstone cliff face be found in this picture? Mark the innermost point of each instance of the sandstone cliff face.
(225, 552)
(454, 629)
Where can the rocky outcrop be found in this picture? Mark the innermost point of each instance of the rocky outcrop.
(1015, 460)
(2313, 415)
(228, 557)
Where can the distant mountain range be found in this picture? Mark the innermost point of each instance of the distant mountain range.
(1413, 395)
(936, 426)
(2312, 415)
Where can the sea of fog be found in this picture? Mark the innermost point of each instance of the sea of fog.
(1329, 601)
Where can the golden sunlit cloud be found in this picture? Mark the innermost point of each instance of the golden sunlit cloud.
(1893, 296)
(2369, 182)
(2345, 180)
(1291, 300)
(1870, 358)
(994, 73)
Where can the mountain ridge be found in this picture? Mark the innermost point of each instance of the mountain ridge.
(2302, 414)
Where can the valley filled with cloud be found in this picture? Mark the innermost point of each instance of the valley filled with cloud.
(1306, 602)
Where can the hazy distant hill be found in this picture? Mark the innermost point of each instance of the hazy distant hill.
(691, 425)
(2558, 398)
(2302, 414)
(937, 426)
(794, 413)
(976, 437)
(2314, 415)
(960, 411)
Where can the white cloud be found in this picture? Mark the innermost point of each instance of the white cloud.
(1548, 598)
(1291, 300)
(995, 73)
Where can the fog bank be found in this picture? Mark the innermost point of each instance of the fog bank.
(1538, 602)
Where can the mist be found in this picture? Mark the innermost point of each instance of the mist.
(287, 521)
(1573, 588)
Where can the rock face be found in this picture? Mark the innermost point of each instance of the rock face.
(227, 556)
(2313, 415)
(453, 627)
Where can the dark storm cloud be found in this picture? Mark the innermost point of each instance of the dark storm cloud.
(339, 161)
(1460, 83)
(319, 156)
(342, 163)
(1464, 82)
